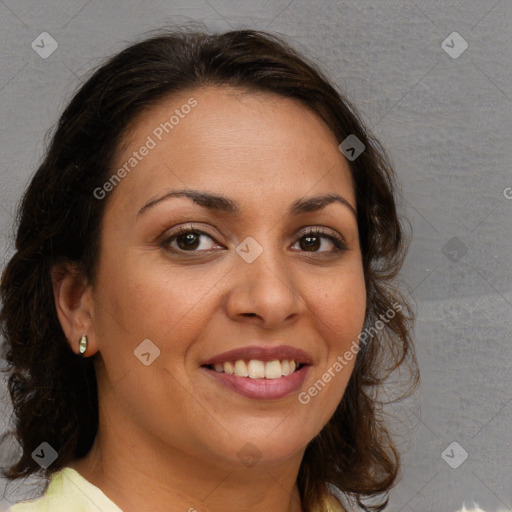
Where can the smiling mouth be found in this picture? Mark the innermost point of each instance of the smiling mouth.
(256, 369)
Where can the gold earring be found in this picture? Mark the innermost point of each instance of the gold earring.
(82, 344)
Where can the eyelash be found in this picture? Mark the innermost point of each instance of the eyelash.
(337, 241)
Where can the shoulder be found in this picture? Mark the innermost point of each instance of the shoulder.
(336, 500)
(68, 491)
(41, 503)
(330, 503)
(29, 506)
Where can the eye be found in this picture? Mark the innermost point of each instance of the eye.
(313, 239)
(187, 240)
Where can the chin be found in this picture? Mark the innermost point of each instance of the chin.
(260, 450)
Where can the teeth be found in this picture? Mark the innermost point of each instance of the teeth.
(241, 369)
(273, 370)
(256, 369)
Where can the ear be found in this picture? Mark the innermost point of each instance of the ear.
(74, 305)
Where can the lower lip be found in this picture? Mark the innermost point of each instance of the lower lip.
(261, 389)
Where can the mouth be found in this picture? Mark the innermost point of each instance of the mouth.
(258, 380)
(257, 369)
(259, 372)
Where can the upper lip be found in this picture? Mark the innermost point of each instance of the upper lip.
(262, 354)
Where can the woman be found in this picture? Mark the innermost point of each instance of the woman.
(199, 314)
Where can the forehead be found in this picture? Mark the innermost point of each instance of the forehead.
(230, 113)
(222, 138)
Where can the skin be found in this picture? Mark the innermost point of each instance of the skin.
(169, 434)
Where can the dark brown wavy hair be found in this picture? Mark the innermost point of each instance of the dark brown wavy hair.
(54, 392)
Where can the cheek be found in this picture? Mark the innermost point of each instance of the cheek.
(339, 313)
(326, 387)
(155, 301)
(340, 307)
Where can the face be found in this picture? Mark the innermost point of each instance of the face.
(182, 282)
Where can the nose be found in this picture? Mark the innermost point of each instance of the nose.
(265, 291)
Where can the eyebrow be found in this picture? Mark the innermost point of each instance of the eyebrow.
(225, 205)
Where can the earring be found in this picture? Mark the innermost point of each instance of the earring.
(82, 344)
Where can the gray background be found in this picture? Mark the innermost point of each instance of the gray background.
(446, 123)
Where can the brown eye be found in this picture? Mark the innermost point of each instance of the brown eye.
(311, 241)
(186, 240)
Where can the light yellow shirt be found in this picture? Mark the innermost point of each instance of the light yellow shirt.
(69, 491)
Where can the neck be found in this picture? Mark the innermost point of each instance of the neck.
(137, 476)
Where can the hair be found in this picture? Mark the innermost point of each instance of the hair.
(54, 391)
